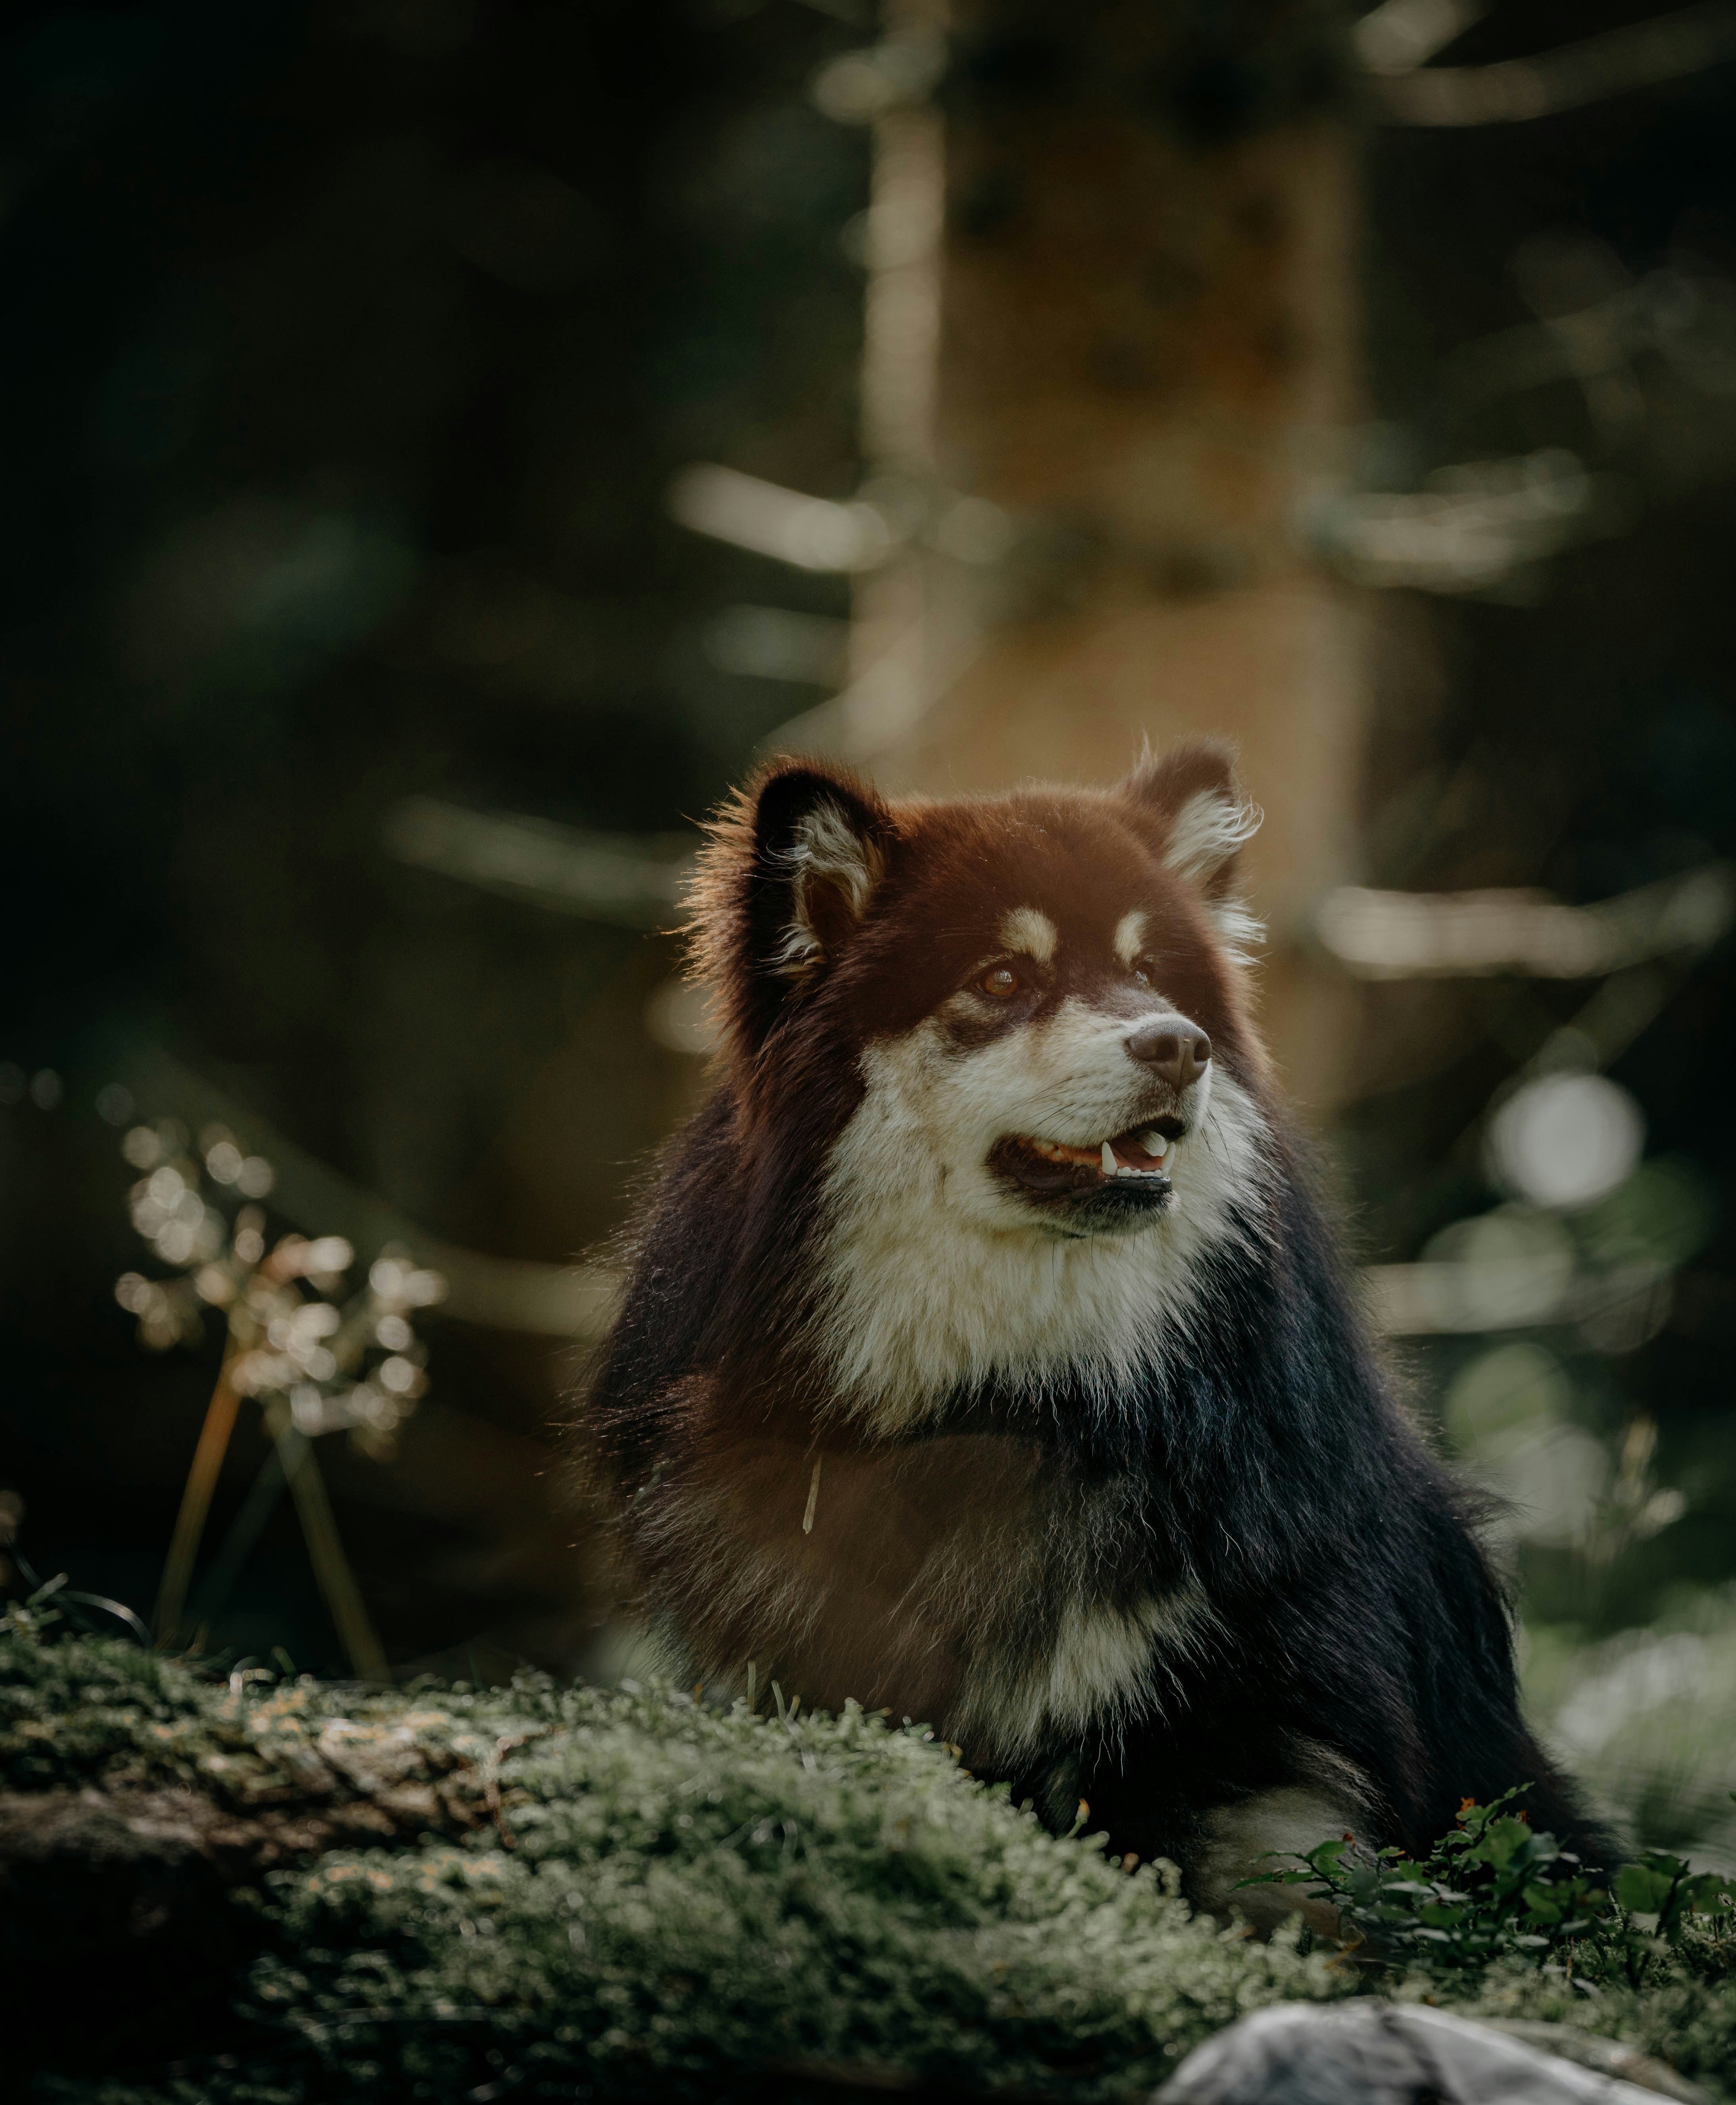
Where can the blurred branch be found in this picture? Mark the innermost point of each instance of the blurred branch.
(1642, 55)
(1596, 322)
(858, 87)
(1402, 934)
(325, 1550)
(1475, 525)
(1401, 34)
(1654, 361)
(1622, 1010)
(599, 877)
(505, 1294)
(195, 1500)
(810, 533)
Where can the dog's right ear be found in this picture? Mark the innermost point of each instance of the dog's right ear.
(1191, 797)
(784, 882)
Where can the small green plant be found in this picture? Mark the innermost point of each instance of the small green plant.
(1664, 1891)
(1495, 1889)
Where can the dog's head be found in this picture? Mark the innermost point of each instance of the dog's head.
(1034, 996)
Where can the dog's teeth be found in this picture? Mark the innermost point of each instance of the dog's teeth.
(1154, 1142)
(1109, 1159)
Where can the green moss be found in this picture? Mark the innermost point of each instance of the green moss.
(657, 1897)
(1682, 2010)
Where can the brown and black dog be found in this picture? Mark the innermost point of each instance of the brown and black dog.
(985, 1356)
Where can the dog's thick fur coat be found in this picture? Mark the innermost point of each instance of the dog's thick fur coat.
(986, 1357)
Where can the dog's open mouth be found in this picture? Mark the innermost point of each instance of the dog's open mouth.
(1142, 1156)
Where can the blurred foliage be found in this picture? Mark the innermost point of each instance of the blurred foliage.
(350, 349)
(1648, 1716)
(1571, 727)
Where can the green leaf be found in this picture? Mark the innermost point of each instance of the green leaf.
(1641, 1890)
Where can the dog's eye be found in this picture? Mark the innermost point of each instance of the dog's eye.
(1002, 983)
(1142, 972)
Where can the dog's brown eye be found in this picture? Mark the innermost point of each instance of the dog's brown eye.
(1003, 983)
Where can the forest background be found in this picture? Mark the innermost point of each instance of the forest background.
(414, 419)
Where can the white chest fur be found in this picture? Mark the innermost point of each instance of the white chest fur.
(1104, 1663)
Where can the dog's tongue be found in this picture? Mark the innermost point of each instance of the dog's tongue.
(1043, 1173)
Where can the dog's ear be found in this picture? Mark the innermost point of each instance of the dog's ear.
(819, 855)
(784, 882)
(1191, 802)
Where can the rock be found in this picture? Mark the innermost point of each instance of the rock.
(1386, 2053)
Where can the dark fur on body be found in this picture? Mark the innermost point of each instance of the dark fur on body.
(1349, 1635)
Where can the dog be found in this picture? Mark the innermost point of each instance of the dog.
(986, 1357)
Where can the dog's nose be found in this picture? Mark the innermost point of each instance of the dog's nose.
(1172, 1046)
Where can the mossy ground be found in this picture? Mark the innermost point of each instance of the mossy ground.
(629, 1894)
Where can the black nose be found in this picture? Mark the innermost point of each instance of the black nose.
(1172, 1046)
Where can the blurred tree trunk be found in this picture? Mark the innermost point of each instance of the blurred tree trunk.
(1112, 340)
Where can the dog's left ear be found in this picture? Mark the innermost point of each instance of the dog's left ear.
(819, 854)
(1191, 801)
(784, 884)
